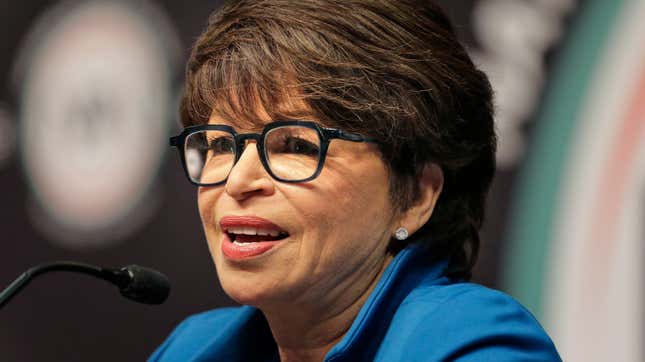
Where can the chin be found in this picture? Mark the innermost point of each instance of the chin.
(246, 297)
(249, 288)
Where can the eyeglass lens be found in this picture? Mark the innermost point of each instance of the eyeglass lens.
(292, 152)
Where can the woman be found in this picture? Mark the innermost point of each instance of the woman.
(343, 151)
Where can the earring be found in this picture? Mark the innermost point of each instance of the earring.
(401, 233)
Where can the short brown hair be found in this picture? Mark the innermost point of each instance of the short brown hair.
(390, 69)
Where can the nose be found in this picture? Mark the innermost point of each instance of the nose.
(248, 177)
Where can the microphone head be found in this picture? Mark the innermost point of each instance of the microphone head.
(146, 285)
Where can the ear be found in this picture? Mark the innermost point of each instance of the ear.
(430, 185)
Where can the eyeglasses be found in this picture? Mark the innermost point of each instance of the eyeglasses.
(290, 151)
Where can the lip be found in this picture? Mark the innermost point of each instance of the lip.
(248, 221)
(237, 252)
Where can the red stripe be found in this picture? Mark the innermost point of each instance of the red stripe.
(618, 172)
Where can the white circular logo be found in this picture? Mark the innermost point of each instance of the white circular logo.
(95, 105)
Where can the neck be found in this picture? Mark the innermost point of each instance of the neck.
(307, 331)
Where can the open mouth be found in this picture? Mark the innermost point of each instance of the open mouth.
(244, 235)
(249, 236)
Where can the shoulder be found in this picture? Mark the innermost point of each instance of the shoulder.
(198, 332)
(471, 300)
(467, 322)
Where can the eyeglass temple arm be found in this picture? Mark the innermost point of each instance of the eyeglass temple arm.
(348, 136)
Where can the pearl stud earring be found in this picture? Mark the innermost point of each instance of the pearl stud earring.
(401, 233)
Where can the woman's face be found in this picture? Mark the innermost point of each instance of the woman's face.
(338, 227)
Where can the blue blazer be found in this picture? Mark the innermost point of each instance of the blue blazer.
(415, 313)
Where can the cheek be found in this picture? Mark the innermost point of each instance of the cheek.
(206, 203)
(347, 236)
(354, 213)
(365, 195)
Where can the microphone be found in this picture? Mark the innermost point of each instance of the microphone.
(141, 284)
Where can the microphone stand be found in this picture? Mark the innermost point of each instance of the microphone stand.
(126, 279)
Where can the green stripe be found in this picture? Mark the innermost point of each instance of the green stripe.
(532, 223)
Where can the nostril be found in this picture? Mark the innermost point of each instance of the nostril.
(247, 180)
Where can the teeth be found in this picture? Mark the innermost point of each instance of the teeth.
(238, 243)
(251, 231)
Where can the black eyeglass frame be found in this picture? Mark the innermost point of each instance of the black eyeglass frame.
(325, 134)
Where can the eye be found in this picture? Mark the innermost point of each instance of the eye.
(221, 145)
(299, 146)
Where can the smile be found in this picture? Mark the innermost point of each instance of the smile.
(243, 235)
(249, 236)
